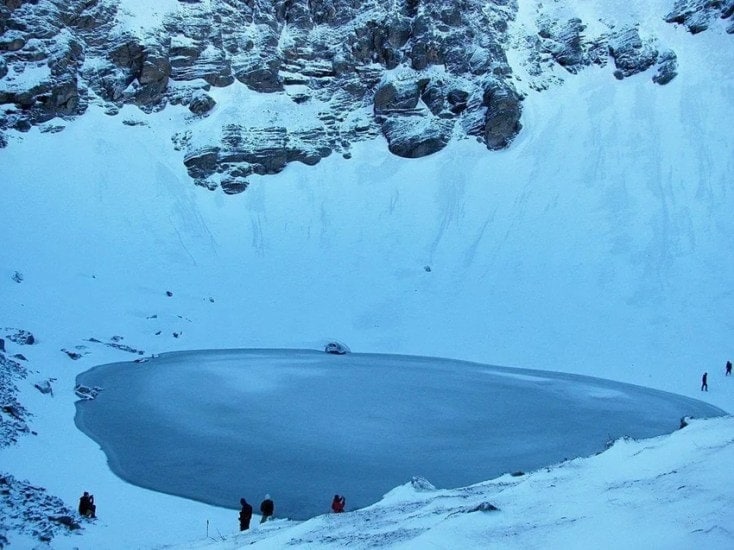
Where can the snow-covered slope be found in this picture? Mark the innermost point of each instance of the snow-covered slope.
(598, 243)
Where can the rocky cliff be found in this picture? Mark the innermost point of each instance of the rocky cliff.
(418, 72)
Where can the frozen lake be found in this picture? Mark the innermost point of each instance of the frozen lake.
(301, 425)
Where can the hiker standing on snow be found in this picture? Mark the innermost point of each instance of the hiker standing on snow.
(728, 368)
(704, 382)
(267, 508)
(245, 515)
(337, 505)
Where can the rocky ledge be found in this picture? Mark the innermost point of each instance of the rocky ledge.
(697, 15)
(416, 72)
(13, 416)
(30, 510)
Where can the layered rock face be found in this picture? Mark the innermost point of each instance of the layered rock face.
(417, 72)
(697, 15)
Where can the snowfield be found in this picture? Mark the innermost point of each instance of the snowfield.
(600, 244)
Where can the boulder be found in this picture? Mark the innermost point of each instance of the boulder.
(484, 507)
(631, 55)
(20, 336)
(421, 484)
(85, 392)
(201, 103)
(458, 99)
(233, 186)
(667, 68)
(416, 136)
(73, 355)
(336, 348)
(44, 387)
(202, 163)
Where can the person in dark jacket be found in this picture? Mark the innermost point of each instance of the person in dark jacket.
(704, 382)
(728, 368)
(337, 505)
(245, 515)
(267, 508)
(86, 505)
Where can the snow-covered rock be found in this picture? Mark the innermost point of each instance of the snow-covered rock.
(697, 15)
(30, 510)
(13, 415)
(58, 56)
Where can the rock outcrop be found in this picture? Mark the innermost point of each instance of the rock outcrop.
(418, 72)
(697, 15)
(566, 43)
(13, 416)
(631, 55)
(58, 56)
(30, 510)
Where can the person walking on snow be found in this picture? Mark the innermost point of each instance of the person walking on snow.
(704, 382)
(728, 368)
(337, 505)
(267, 508)
(245, 515)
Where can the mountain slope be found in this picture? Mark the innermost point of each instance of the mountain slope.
(598, 243)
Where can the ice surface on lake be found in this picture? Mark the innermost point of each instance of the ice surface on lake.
(303, 425)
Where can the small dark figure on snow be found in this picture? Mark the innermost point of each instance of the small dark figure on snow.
(87, 507)
(337, 505)
(704, 382)
(728, 368)
(245, 515)
(267, 508)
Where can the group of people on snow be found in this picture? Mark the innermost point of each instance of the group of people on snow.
(705, 377)
(267, 509)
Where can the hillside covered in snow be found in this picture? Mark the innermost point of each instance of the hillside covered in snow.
(536, 185)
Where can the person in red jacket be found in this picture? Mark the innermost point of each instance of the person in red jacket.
(337, 505)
